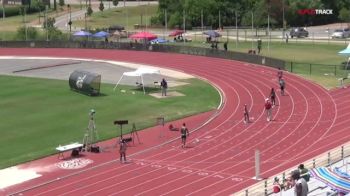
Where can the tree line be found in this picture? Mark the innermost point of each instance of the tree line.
(214, 13)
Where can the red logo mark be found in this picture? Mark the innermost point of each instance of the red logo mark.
(307, 12)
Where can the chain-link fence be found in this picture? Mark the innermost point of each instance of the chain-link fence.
(318, 69)
(250, 58)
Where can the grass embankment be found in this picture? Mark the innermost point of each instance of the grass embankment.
(39, 114)
(318, 62)
(10, 25)
(126, 17)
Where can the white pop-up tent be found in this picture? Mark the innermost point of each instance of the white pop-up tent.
(138, 73)
(346, 52)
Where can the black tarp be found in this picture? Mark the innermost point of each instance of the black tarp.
(85, 82)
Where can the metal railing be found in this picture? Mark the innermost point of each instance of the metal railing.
(264, 187)
(317, 69)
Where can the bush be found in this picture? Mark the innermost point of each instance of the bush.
(55, 34)
(36, 6)
(32, 33)
(11, 11)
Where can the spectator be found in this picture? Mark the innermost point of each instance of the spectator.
(164, 86)
(225, 46)
(282, 85)
(287, 36)
(288, 183)
(259, 45)
(268, 108)
(304, 172)
(301, 188)
(276, 188)
(273, 97)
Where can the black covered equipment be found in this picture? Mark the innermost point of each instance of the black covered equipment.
(85, 82)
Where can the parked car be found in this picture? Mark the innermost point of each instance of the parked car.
(298, 32)
(341, 33)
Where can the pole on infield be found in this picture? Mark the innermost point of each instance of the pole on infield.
(257, 165)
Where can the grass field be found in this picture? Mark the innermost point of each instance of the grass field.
(318, 62)
(10, 25)
(319, 53)
(39, 114)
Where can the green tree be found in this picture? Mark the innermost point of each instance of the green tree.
(344, 15)
(101, 7)
(115, 2)
(244, 8)
(61, 3)
(89, 11)
(55, 5)
(38, 5)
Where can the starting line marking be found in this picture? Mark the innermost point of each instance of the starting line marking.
(190, 171)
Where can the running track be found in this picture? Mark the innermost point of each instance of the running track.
(308, 121)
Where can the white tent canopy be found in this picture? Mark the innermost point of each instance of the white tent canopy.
(346, 52)
(138, 73)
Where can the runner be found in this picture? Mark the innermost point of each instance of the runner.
(268, 108)
(282, 85)
(184, 134)
(273, 97)
(279, 73)
(246, 114)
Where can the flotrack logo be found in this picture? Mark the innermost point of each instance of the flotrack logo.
(315, 12)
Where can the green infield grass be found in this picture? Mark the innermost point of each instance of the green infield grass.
(40, 114)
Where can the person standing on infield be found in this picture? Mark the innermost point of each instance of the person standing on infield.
(164, 86)
(184, 134)
(246, 114)
(268, 108)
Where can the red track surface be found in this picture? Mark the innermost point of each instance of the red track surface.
(308, 121)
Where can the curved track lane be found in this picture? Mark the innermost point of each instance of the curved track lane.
(222, 162)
